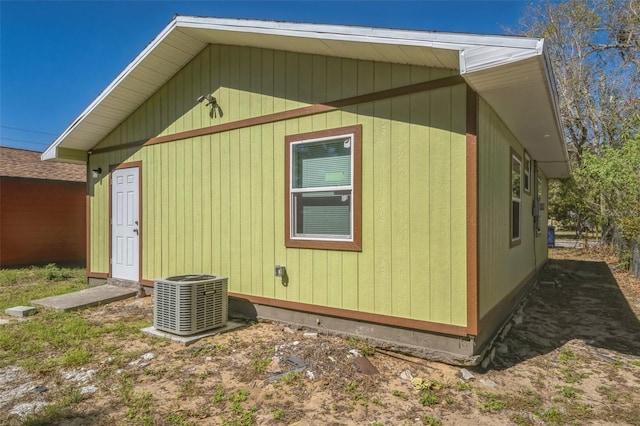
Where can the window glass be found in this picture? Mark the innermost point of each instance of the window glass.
(321, 164)
(515, 177)
(320, 214)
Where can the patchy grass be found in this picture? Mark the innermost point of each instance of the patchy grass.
(55, 339)
(491, 403)
(19, 286)
(221, 380)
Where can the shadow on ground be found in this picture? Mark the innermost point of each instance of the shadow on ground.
(574, 300)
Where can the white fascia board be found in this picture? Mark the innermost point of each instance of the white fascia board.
(447, 41)
(450, 41)
(553, 94)
(51, 152)
(484, 57)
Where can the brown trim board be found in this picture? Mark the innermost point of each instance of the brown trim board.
(102, 275)
(294, 113)
(87, 230)
(433, 327)
(472, 212)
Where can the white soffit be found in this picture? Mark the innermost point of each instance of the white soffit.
(523, 95)
(499, 68)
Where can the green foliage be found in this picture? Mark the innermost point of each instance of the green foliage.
(292, 378)
(178, 420)
(428, 398)
(428, 420)
(364, 347)
(567, 356)
(569, 392)
(260, 364)
(491, 402)
(604, 190)
(463, 386)
(219, 395)
(400, 394)
(278, 413)
(554, 416)
(593, 49)
(615, 176)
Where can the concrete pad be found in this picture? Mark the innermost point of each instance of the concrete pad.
(85, 298)
(20, 311)
(189, 340)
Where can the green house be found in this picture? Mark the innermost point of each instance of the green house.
(396, 180)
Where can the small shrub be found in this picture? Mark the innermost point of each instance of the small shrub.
(428, 420)
(569, 392)
(554, 416)
(491, 403)
(399, 394)
(278, 414)
(428, 398)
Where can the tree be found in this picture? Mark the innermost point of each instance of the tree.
(594, 48)
(614, 177)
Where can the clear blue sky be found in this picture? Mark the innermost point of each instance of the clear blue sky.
(57, 56)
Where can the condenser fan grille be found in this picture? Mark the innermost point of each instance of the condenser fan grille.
(189, 304)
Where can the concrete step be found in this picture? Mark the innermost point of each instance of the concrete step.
(94, 296)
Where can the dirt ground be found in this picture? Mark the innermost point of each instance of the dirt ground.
(571, 356)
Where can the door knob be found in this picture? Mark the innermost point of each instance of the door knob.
(136, 231)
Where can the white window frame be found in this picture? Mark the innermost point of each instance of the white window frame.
(343, 188)
(527, 173)
(515, 240)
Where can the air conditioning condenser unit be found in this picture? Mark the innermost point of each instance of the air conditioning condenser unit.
(190, 304)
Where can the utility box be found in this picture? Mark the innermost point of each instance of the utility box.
(551, 236)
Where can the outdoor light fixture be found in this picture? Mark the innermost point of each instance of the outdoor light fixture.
(96, 172)
(211, 101)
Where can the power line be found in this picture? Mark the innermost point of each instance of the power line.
(24, 141)
(27, 130)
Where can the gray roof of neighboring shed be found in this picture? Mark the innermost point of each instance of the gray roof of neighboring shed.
(21, 163)
(512, 74)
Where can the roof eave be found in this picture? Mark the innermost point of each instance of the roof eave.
(480, 57)
(519, 84)
(52, 152)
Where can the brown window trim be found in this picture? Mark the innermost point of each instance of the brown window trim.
(538, 188)
(356, 243)
(526, 168)
(514, 242)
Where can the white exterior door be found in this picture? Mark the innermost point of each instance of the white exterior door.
(125, 220)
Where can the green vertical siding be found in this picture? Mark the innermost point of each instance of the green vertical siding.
(215, 204)
(502, 267)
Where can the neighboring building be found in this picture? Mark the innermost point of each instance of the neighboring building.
(393, 173)
(42, 210)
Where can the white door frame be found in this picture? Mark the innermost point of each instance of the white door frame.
(138, 266)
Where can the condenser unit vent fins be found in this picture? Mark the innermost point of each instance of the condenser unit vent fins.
(190, 304)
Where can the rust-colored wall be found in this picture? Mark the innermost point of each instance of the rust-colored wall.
(41, 221)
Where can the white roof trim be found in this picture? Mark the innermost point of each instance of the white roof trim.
(441, 40)
(51, 153)
(482, 60)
